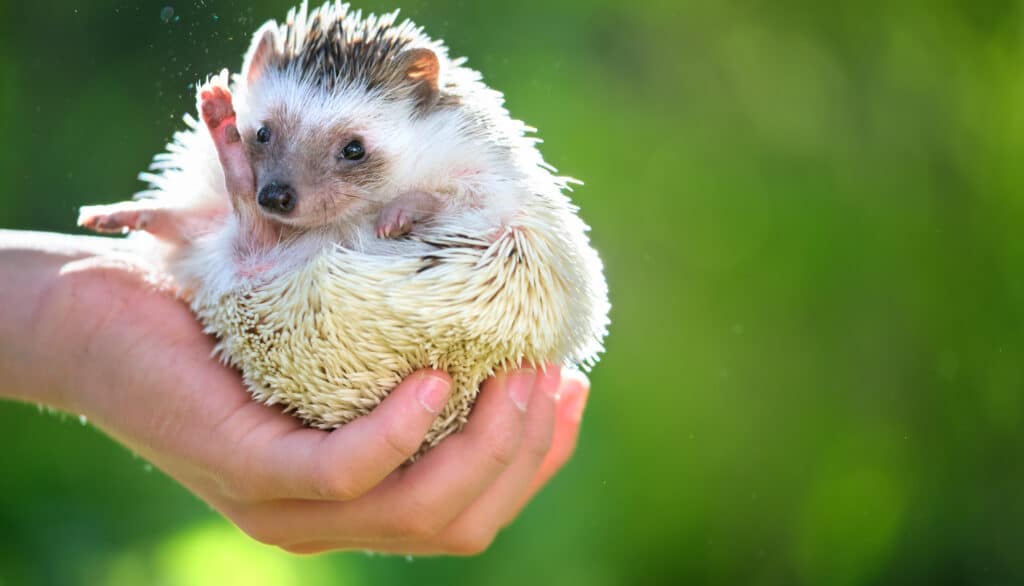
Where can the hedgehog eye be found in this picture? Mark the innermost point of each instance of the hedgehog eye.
(263, 135)
(353, 151)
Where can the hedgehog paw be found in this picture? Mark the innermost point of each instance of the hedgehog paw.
(113, 219)
(398, 216)
(393, 222)
(215, 105)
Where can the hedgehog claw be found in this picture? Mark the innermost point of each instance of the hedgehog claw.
(398, 216)
(112, 219)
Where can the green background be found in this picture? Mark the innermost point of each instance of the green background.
(811, 217)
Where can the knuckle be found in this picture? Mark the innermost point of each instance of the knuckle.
(333, 484)
(537, 446)
(565, 454)
(303, 548)
(413, 530)
(503, 447)
(263, 532)
(236, 486)
(417, 523)
(401, 442)
(470, 543)
(417, 528)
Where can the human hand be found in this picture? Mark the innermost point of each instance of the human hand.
(134, 360)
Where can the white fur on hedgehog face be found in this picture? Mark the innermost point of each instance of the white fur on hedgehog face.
(406, 149)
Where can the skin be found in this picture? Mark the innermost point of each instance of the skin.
(85, 329)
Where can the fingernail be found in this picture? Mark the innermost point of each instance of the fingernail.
(520, 385)
(433, 393)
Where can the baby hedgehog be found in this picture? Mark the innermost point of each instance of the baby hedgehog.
(359, 206)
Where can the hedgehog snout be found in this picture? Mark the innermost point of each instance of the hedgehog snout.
(278, 198)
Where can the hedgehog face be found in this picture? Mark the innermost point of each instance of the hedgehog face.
(320, 116)
(312, 169)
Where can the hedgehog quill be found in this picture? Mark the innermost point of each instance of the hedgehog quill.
(355, 205)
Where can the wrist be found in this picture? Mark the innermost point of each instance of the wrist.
(40, 328)
(26, 315)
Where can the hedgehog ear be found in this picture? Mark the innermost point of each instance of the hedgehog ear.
(422, 69)
(263, 48)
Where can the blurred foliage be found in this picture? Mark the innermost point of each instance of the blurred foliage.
(811, 215)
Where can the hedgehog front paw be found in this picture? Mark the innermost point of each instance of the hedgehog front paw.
(215, 106)
(113, 219)
(393, 221)
(398, 216)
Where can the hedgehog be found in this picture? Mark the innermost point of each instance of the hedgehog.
(356, 205)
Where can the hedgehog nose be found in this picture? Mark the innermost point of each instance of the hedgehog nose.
(277, 197)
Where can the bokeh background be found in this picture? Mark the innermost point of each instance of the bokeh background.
(811, 215)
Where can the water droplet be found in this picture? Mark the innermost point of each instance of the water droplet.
(215, 18)
(408, 558)
(83, 420)
(167, 14)
(147, 467)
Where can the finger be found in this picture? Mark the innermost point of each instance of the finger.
(475, 528)
(305, 463)
(572, 400)
(378, 547)
(464, 536)
(459, 470)
(471, 534)
(417, 502)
